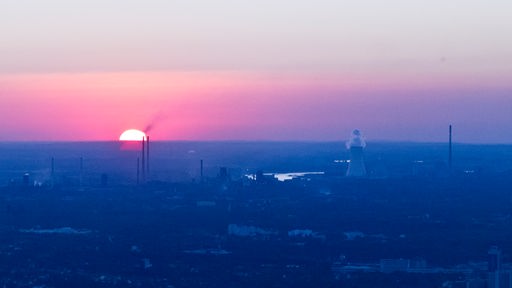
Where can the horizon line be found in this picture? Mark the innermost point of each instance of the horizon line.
(380, 141)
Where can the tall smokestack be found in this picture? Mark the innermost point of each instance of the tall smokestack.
(450, 148)
(356, 145)
(53, 172)
(143, 166)
(147, 155)
(201, 170)
(81, 170)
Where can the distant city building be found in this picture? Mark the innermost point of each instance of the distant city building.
(494, 259)
(476, 283)
(418, 264)
(104, 179)
(223, 174)
(498, 277)
(394, 265)
(506, 279)
(26, 179)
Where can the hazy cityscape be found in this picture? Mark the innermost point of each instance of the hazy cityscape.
(253, 214)
(196, 143)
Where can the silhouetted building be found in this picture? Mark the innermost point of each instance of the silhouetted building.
(394, 265)
(476, 283)
(223, 174)
(104, 179)
(493, 267)
(500, 279)
(26, 179)
(506, 279)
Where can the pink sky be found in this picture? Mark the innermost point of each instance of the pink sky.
(398, 70)
(250, 106)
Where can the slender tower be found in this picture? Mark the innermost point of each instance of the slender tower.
(81, 170)
(147, 156)
(450, 148)
(143, 163)
(356, 145)
(202, 171)
(494, 267)
(53, 172)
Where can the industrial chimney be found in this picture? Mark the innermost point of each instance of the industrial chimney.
(145, 159)
(143, 154)
(356, 145)
(450, 151)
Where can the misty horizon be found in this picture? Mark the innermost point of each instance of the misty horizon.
(340, 141)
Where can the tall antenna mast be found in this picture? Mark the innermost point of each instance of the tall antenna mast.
(147, 155)
(450, 149)
(202, 171)
(53, 172)
(81, 170)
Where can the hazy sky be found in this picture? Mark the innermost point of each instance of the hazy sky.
(266, 70)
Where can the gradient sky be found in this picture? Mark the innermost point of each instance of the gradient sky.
(399, 70)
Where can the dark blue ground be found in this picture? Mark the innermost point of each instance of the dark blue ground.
(177, 232)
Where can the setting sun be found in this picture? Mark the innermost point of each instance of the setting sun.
(132, 135)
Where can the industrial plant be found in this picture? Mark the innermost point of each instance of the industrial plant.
(256, 214)
(356, 145)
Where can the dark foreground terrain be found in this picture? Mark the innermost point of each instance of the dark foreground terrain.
(320, 231)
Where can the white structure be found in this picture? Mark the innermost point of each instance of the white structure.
(498, 277)
(356, 145)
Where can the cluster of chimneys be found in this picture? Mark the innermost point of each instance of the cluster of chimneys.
(355, 144)
(144, 168)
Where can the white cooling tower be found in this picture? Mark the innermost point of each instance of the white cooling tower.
(356, 144)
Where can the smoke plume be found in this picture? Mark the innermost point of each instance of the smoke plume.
(356, 140)
(159, 117)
